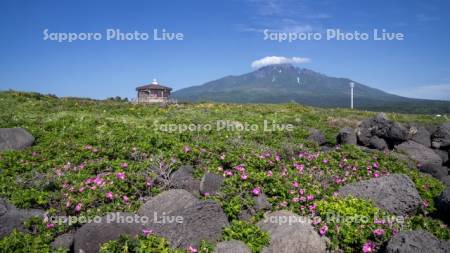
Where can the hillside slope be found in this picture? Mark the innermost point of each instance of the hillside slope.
(285, 83)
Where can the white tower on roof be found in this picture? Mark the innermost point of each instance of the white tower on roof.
(154, 81)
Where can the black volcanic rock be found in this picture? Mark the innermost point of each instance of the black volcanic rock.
(378, 143)
(441, 138)
(419, 134)
(91, 236)
(419, 153)
(346, 136)
(416, 242)
(443, 204)
(316, 136)
(15, 139)
(12, 217)
(395, 193)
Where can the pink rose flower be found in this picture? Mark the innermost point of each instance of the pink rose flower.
(228, 173)
(78, 207)
(369, 247)
(192, 249)
(277, 158)
(378, 232)
(147, 232)
(240, 168)
(256, 191)
(109, 195)
(323, 230)
(120, 175)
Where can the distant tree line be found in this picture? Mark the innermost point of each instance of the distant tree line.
(118, 99)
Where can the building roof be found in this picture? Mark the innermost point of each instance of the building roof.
(153, 86)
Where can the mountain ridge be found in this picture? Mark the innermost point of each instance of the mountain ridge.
(285, 83)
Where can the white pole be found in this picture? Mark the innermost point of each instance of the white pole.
(352, 84)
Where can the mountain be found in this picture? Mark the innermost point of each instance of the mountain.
(285, 83)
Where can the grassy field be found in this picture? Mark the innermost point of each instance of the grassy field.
(79, 141)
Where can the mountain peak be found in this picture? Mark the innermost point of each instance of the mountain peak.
(277, 67)
(281, 83)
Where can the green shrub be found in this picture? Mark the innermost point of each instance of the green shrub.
(436, 227)
(78, 140)
(352, 222)
(20, 242)
(146, 244)
(141, 244)
(248, 233)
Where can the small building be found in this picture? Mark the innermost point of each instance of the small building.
(153, 93)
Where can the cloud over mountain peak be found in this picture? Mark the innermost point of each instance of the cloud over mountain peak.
(273, 60)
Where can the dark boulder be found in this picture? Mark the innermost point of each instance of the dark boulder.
(346, 136)
(446, 180)
(363, 135)
(378, 143)
(261, 203)
(290, 233)
(15, 139)
(91, 236)
(202, 221)
(395, 193)
(232, 246)
(441, 137)
(416, 242)
(316, 136)
(183, 179)
(419, 134)
(437, 171)
(326, 149)
(443, 204)
(64, 241)
(419, 153)
(167, 202)
(13, 218)
(443, 154)
(211, 183)
(381, 126)
(404, 158)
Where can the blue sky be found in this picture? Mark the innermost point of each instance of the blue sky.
(220, 38)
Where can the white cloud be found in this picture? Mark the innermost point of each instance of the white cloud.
(283, 16)
(271, 60)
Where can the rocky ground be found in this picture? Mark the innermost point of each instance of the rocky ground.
(342, 181)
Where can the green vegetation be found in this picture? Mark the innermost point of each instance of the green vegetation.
(248, 233)
(140, 244)
(146, 244)
(92, 157)
(352, 222)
